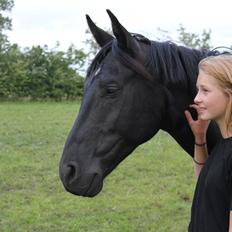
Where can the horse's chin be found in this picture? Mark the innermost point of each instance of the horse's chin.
(89, 190)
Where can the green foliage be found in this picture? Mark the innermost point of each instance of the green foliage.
(12, 73)
(5, 22)
(149, 191)
(193, 40)
(39, 73)
(50, 74)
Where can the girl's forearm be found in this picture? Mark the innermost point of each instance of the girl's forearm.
(200, 156)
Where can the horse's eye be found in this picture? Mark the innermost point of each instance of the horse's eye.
(111, 89)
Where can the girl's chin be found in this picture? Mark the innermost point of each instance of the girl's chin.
(203, 117)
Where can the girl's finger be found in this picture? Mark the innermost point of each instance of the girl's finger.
(188, 117)
(193, 106)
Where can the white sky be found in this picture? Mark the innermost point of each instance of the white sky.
(45, 21)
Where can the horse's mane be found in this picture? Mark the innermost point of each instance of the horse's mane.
(178, 65)
(175, 65)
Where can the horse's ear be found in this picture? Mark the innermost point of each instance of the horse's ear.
(99, 35)
(124, 38)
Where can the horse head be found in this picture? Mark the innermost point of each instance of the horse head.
(122, 107)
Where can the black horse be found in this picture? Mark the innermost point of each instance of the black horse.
(134, 87)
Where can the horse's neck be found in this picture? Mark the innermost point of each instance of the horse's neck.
(175, 123)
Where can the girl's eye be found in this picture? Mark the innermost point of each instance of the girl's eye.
(205, 90)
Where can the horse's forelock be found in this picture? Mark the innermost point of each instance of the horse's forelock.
(99, 58)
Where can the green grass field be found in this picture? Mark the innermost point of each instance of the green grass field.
(149, 191)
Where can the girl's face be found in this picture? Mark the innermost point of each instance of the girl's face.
(211, 99)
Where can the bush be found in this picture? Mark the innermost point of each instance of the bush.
(39, 73)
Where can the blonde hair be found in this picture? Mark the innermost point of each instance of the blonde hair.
(220, 68)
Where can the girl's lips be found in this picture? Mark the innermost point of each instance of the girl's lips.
(201, 109)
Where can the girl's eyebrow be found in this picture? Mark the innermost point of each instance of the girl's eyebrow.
(200, 86)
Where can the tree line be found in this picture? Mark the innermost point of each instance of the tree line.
(40, 73)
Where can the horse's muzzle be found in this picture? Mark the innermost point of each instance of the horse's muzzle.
(81, 184)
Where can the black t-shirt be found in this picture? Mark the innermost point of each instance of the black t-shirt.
(213, 194)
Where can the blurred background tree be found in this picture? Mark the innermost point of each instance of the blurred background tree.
(194, 40)
(39, 72)
(5, 22)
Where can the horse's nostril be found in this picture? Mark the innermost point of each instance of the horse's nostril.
(71, 172)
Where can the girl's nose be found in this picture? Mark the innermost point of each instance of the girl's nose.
(197, 99)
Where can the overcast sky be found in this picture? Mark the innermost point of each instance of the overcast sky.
(46, 21)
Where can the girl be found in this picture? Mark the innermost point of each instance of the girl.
(212, 203)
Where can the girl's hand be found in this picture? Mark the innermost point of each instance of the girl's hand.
(199, 127)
